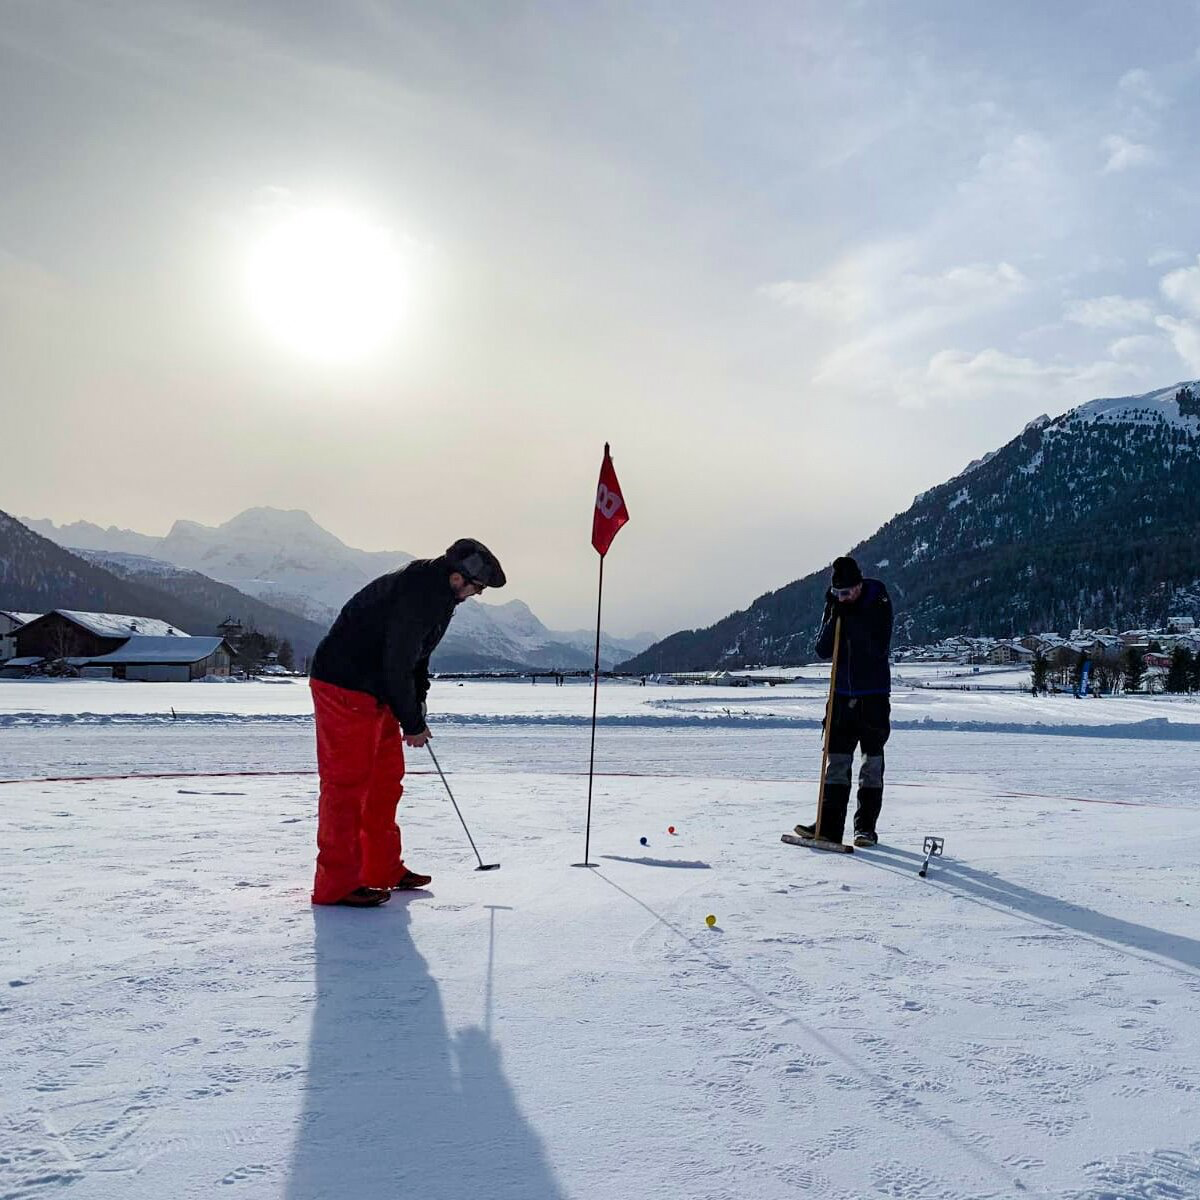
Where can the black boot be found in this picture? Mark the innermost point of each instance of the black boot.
(870, 801)
(833, 812)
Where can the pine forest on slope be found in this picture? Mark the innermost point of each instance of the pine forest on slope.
(1093, 516)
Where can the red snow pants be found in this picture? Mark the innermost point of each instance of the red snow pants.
(360, 759)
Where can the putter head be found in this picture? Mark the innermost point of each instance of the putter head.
(488, 867)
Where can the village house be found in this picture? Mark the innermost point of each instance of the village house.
(1005, 654)
(66, 633)
(108, 645)
(10, 622)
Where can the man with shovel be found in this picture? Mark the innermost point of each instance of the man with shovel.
(369, 679)
(857, 628)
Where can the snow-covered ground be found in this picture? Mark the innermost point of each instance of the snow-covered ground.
(176, 1020)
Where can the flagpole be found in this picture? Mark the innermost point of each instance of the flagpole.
(587, 842)
(608, 516)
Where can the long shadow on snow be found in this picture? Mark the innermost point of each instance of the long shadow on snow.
(988, 888)
(395, 1105)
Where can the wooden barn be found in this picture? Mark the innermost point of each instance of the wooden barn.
(65, 633)
(160, 659)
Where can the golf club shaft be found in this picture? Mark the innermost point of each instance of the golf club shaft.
(454, 802)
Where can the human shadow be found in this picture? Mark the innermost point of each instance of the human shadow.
(988, 888)
(395, 1105)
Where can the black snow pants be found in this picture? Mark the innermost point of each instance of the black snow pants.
(858, 721)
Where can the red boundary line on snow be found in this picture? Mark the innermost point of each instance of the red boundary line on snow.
(602, 774)
(157, 775)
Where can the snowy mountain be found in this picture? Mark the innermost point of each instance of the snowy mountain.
(287, 561)
(218, 600)
(510, 633)
(1092, 516)
(36, 575)
(281, 557)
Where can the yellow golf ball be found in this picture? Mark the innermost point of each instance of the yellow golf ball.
(710, 920)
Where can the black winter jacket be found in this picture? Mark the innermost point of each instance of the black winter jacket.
(862, 667)
(383, 637)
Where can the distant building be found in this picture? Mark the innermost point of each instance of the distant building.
(10, 622)
(231, 630)
(111, 646)
(67, 633)
(1007, 653)
(1180, 624)
(160, 660)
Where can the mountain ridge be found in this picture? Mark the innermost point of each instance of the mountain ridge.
(1091, 516)
(284, 559)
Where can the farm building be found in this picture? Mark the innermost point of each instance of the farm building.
(10, 622)
(111, 646)
(65, 633)
(160, 659)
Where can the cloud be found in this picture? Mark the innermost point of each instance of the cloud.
(980, 282)
(1185, 337)
(1182, 287)
(1134, 346)
(994, 377)
(1138, 85)
(1160, 258)
(820, 298)
(1123, 155)
(1109, 312)
(873, 283)
(1025, 155)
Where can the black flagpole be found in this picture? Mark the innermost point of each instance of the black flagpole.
(587, 843)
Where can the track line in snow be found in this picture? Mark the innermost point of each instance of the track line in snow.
(888, 1096)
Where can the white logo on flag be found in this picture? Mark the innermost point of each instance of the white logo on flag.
(608, 502)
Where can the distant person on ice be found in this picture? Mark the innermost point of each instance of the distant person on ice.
(369, 680)
(862, 709)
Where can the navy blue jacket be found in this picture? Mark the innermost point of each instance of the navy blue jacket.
(862, 666)
(383, 637)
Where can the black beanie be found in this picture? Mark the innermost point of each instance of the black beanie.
(476, 562)
(846, 573)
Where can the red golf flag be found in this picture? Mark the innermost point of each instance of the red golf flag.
(611, 512)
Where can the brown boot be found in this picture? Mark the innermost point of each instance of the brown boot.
(410, 880)
(366, 897)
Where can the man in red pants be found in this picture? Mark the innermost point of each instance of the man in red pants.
(369, 678)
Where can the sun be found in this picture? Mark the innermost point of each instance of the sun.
(328, 284)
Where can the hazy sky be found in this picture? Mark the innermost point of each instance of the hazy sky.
(796, 261)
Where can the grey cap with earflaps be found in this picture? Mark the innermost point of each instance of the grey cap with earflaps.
(476, 562)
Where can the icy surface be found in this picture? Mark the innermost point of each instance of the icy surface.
(176, 1021)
